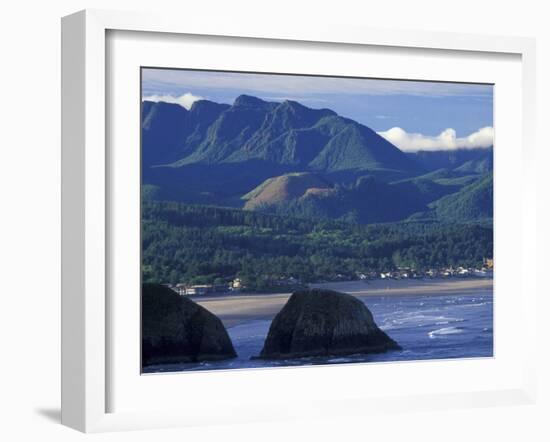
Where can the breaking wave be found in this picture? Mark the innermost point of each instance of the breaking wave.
(445, 331)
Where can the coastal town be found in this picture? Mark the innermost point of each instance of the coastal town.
(237, 286)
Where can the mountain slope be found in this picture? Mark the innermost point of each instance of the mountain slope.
(482, 164)
(366, 201)
(170, 132)
(274, 138)
(454, 159)
(472, 202)
(285, 188)
(230, 131)
(437, 183)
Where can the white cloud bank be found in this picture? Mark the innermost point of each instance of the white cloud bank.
(446, 140)
(186, 100)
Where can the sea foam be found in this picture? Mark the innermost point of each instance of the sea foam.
(445, 331)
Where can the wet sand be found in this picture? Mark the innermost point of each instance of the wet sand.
(237, 309)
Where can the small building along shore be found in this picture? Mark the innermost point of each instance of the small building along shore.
(199, 289)
(236, 285)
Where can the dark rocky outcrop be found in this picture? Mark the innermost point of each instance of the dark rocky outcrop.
(176, 329)
(322, 323)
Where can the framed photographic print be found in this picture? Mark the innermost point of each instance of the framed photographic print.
(259, 212)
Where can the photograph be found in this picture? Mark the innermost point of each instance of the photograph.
(292, 220)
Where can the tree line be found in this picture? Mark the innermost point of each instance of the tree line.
(197, 244)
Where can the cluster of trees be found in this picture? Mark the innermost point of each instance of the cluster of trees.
(213, 245)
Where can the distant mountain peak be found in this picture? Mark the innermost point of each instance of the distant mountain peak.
(297, 107)
(206, 104)
(147, 104)
(205, 108)
(248, 100)
(161, 113)
(293, 104)
(275, 137)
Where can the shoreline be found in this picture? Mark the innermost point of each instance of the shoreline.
(395, 287)
(238, 309)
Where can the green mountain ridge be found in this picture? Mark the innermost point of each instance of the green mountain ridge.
(472, 203)
(368, 200)
(288, 159)
(252, 140)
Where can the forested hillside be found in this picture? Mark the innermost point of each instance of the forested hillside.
(267, 191)
(202, 244)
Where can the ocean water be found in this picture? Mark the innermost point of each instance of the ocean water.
(426, 327)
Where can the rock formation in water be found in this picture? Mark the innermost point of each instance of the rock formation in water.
(324, 323)
(176, 329)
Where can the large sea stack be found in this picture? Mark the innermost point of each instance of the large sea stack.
(176, 329)
(324, 323)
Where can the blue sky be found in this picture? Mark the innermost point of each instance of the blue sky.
(413, 113)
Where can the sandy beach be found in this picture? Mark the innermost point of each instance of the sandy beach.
(237, 309)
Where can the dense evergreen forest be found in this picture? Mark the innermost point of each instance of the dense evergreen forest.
(204, 244)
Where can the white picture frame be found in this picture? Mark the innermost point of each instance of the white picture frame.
(86, 201)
